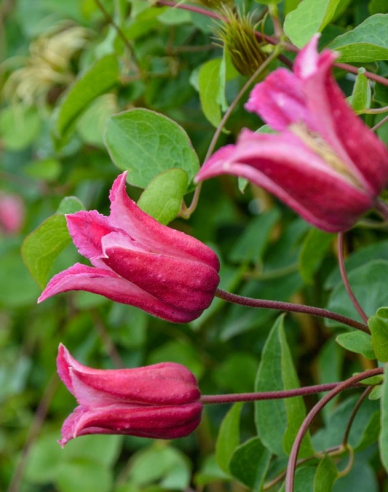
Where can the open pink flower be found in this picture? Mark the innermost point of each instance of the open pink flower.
(138, 261)
(161, 401)
(325, 163)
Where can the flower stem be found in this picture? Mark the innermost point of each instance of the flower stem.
(382, 207)
(290, 477)
(345, 280)
(289, 307)
(380, 123)
(250, 81)
(267, 395)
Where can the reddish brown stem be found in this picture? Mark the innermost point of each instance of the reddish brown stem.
(289, 307)
(267, 395)
(345, 280)
(290, 477)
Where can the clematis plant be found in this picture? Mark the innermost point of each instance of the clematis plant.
(325, 163)
(138, 261)
(160, 401)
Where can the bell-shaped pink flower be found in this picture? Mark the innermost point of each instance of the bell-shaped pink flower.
(138, 261)
(325, 163)
(12, 213)
(161, 401)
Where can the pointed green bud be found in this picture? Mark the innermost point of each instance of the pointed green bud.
(237, 33)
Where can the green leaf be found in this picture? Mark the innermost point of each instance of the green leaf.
(358, 342)
(251, 245)
(379, 329)
(160, 463)
(85, 475)
(43, 245)
(146, 144)
(209, 88)
(304, 479)
(372, 273)
(278, 421)
(47, 169)
(228, 437)
(310, 17)
(361, 95)
(249, 464)
(378, 7)
(19, 126)
(325, 475)
(367, 42)
(100, 449)
(70, 205)
(162, 199)
(44, 459)
(313, 251)
(383, 438)
(100, 78)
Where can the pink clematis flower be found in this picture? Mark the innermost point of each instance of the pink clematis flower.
(12, 213)
(325, 163)
(138, 261)
(161, 401)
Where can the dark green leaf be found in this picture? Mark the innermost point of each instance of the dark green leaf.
(326, 475)
(314, 249)
(249, 464)
(367, 42)
(146, 144)
(379, 329)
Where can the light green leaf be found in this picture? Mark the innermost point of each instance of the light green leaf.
(367, 42)
(361, 95)
(313, 251)
(46, 169)
(249, 464)
(100, 77)
(310, 17)
(162, 199)
(383, 438)
(358, 342)
(228, 437)
(325, 475)
(19, 126)
(379, 328)
(70, 205)
(43, 245)
(85, 475)
(278, 421)
(209, 88)
(146, 144)
(100, 449)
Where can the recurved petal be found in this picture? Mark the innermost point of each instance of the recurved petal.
(184, 283)
(159, 384)
(286, 167)
(125, 214)
(279, 100)
(87, 229)
(110, 285)
(156, 422)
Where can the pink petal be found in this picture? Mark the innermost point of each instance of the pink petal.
(169, 422)
(125, 214)
(284, 166)
(110, 285)
(159, 384)
(87, 229)
(186, 284)
(279, 100)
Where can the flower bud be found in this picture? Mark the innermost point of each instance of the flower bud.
(139, 261)
(12, 213)
(238, 34)
(160, 401)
